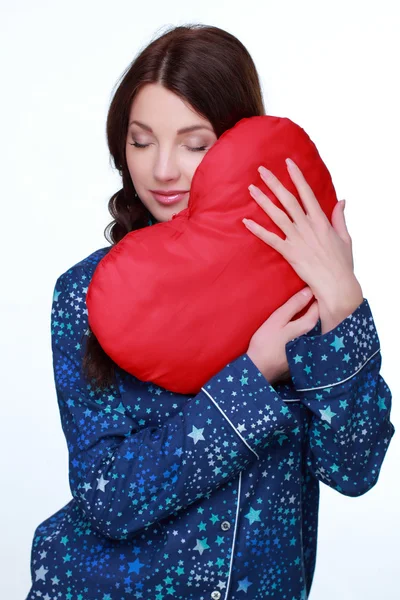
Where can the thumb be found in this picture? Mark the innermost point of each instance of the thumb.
(338, 220)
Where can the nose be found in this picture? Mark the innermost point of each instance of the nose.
(166, 167)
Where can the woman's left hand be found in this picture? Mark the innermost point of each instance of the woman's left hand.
(320, 253)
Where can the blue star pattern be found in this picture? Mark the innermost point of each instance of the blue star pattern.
(213, 495)
(337, 377)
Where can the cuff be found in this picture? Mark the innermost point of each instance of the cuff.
(249, 403)
(318, 361)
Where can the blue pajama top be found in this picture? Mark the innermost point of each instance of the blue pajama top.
(209, 496)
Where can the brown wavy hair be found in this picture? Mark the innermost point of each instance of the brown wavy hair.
(211, 70)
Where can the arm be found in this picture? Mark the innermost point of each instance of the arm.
(337, 377)
(126, 473)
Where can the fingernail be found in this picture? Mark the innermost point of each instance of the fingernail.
(266, 173)
(248, 223)
(306, 292)
(289, 163)
(343, 204)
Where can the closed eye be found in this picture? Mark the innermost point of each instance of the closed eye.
(198, 149)
(137, 145)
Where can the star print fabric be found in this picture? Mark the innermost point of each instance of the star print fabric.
(338, 380)
(213, 495)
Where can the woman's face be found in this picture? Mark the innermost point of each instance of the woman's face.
(170, 157)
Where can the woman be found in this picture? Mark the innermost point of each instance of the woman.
(213, 495)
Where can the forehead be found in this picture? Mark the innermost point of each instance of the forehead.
(163, 111)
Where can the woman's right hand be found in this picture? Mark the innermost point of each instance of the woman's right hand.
(267, 345)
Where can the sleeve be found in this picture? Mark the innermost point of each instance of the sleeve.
(337, 376)
(127, 472)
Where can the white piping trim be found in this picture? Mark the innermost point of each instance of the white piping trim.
(234, 534)
(230, 422)
(321, 387)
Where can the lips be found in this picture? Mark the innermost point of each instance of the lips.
(169, 199)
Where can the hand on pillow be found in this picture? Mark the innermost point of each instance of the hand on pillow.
(175, 302)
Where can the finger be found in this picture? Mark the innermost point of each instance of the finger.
(286, 198)
(305, 323)
(278, 216)
(266, 236)
(296, 303)
(339, 222)
(305, 191)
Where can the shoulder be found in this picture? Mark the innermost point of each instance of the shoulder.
(83, 270)
(69, 315)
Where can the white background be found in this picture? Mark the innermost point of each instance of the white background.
(332, 67)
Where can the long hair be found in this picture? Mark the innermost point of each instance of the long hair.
(211, 70)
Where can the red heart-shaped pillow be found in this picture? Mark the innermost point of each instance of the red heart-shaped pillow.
(175, 302)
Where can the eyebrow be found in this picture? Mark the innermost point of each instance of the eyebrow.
(183, 130)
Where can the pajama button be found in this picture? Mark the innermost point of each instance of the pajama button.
(225, 525)
(215, 595)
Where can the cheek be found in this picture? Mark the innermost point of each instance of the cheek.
(136, 166)
(192, 162)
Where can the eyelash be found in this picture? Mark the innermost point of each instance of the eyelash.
(199, 149)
